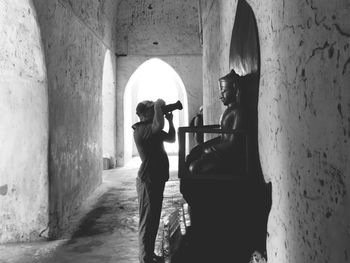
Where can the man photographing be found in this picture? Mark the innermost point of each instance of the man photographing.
(153, 172)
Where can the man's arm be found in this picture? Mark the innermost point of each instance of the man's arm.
(158, 118)
(170, 136)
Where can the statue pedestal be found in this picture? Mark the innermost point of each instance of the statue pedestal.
(228, 211)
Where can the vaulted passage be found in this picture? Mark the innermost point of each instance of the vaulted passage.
(72, 73)
(153, 79)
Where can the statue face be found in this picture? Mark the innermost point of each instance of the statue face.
(227, 93)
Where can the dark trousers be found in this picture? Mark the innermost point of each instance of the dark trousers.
(150, 196)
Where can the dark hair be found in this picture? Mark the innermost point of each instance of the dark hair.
(143, 107)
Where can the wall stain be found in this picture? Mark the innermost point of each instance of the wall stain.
(343, 33)
(3, 189)
(315, 50)
(346, 66)
(337, 178)
(320, 21)
(331, 52)
(339, 110)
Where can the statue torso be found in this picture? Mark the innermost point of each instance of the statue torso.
(231, 119)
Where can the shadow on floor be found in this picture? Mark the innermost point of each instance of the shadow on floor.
(108, 214)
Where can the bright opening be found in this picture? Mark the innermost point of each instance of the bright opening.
(152, 80)
(108, 109)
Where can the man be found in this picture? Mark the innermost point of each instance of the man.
(223, 153)
(153, 173)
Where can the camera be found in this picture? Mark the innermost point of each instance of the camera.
(171, 107)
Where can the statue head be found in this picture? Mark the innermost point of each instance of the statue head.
(230, 88)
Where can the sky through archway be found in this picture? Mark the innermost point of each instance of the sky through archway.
(152, 80)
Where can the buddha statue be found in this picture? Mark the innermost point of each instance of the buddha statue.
(223, 154)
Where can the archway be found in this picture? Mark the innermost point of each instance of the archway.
(153, 79)
(108, 111)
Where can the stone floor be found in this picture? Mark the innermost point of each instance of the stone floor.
(106, 230)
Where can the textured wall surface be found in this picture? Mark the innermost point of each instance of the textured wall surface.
(97, 15)
(168, 30)
(152, 27)
(304, 114)
(75, 38)
(23, 125)
(304, 124)
(216, 48)
(189, 68)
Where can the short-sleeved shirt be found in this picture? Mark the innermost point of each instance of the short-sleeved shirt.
(155, 163)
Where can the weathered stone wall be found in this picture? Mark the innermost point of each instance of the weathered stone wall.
(216, 48)
(168, 30)
(304, 127)
(189, 68)
(153, 27)
(304, 123)
(76, 35)
(23, 125)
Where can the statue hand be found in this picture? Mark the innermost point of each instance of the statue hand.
(208, 150)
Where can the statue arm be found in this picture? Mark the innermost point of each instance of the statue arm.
(198, 122)
(197, 151)
(209, 143)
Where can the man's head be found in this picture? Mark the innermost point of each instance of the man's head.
(145, 110)
(229, 87)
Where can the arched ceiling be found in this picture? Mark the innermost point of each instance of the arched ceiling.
(139, 27)
(153, 27)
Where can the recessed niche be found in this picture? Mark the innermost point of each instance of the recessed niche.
(244, 58)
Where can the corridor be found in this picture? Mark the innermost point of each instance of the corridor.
(72, 73)
(107, 232)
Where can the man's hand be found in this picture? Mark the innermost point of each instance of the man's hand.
(159, 103)
(169, 116)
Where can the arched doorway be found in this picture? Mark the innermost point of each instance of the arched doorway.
(109, 110)
(152, 80)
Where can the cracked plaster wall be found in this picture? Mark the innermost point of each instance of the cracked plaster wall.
(304, 121)
(76, 36)
(151, 27)
(304, 127)
(216, 47)
(23, 125)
